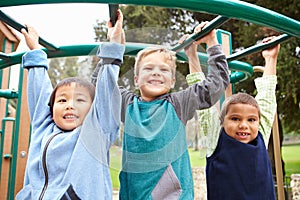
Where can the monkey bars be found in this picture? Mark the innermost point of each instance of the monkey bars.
(224, 9)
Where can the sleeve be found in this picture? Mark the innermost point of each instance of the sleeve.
(39, 87)
(102, 123)
(206, 93)
(208, 119)
(114, 58)
(266, 99)
(107, 103)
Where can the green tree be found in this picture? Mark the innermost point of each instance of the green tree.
(60, 68)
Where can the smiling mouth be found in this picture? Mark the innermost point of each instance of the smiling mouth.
(155, 82)
(243, 134)
(70, 117)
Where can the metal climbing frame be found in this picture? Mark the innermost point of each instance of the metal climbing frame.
(225, 9)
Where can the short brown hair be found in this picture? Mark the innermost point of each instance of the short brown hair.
(169, 55)
(68, 81)
(242, 98)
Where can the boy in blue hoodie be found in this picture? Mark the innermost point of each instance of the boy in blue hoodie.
(73, 126)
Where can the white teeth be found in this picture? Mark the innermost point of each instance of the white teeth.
(70, 117)
(155, 82)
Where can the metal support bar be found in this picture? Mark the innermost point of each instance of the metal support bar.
(11, 22)
(113, 8)
(4, 56)
(257, 48)
(229, 8)
(4, 120)
(218, 21)
(8, 94)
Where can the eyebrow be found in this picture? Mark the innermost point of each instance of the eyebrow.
(151, 64)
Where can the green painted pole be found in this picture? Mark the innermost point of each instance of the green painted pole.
(8, 20)
(227, 8)
(8, 94)
(218, 21)
(258, 47)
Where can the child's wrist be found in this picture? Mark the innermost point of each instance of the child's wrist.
(211, 43)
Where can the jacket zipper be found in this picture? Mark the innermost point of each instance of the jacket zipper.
(45, 166)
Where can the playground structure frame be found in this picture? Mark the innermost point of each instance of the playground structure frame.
(225, 9)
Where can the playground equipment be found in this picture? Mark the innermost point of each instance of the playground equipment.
(13, 157)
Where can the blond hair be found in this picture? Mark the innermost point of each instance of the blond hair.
(170, 58)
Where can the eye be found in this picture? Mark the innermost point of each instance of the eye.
(165, 70)
(81, 100)
(234, 118)
(147, 68)
(61, 100)
(252, 120)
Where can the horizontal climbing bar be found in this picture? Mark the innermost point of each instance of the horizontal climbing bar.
(218, 21)
(131, 50)
(8, 94)
(11, 22)
(257, 48)
(227, 8)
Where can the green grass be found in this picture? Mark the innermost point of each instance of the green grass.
(290, 154)
(115, 165)
(197, 158)
(291, 158)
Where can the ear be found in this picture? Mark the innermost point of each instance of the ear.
(135, 78)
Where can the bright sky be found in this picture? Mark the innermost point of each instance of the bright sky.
(59, 24)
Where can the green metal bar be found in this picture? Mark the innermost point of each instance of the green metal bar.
(131, 50)
(8, 94)
(113, 8)
(257, 48)
(4, 56)
(218, 21)
(4, 120)
(227, 8)
(15, 139)
(1, 74)
(8, 20)
(63, 51)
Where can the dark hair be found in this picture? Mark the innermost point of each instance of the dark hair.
(242, 98)
(68, 81)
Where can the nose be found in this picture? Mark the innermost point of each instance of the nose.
(155, 71)
(70, 105)
(243, 124)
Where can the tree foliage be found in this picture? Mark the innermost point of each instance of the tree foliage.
(60, 68)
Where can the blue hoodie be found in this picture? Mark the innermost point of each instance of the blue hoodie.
(76, 160)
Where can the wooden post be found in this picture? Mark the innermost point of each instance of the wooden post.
(278, 163)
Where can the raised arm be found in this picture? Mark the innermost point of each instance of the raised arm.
(266, 86)
(39, 84)
(209, 123)
(270, 55)
(107, 104)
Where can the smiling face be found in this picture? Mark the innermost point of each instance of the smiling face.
(240, 117)
(241, 122)
(155, 75)
(71, 104)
